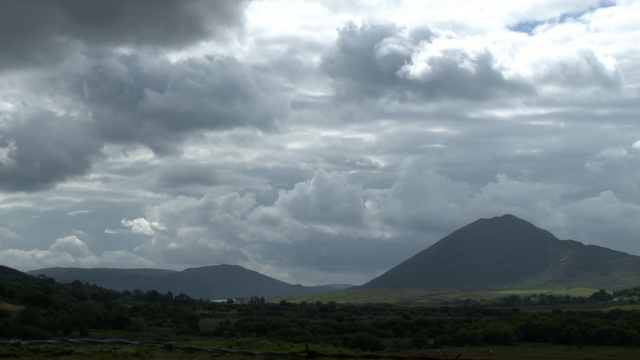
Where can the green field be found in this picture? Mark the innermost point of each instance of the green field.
(424, 297)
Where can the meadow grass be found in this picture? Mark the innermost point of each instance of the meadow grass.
(424, 297)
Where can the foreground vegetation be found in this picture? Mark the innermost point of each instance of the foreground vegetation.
(520, 352)
(524, 323)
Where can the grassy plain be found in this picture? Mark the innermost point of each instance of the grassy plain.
(424, 297)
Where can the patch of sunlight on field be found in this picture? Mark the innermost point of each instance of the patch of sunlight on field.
(424, 297)
(578, 291)
(622, 307)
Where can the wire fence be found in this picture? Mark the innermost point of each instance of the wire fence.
(306, 353)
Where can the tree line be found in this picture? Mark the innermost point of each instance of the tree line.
(32, 308)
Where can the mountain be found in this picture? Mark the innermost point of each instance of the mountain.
(507, 253)
(226, 281)
(209, 282)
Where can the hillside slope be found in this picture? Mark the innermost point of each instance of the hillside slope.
(508, 252)
(225, 281)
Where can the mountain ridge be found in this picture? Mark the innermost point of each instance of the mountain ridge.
(222, 281)
(507, 252)
(503, 252)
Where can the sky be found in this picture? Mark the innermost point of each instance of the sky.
(316, 141)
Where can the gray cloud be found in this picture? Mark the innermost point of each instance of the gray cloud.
(185, 174)
(458, 74)
(323, 258)
(246, 151)
(156, 103)
(377, 60)
(129, 99)
(39, 31)
(365, 59)
(326, 199)
(45, 148)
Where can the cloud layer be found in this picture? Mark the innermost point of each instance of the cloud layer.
(316, 142)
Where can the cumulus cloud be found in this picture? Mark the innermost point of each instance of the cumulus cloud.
(327, 198)
(575, 67)
(138, 226)
(378, 61)
(451, 68)
(386, 60)
(203, 231)
(65, 251)
(69, 251)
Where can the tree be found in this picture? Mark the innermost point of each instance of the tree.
(601, 296)
(366, 342)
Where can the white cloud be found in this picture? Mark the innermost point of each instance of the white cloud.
(65, 251)
(143, 226)
(69, 251)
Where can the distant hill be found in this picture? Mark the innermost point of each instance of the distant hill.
(508, 253)
(109, 278)
(210, 282)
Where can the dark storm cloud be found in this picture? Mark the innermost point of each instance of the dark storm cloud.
(133, 100)
(45, 148)
(365, 59)
(37, 31)
(378, 60)
(156, 103)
